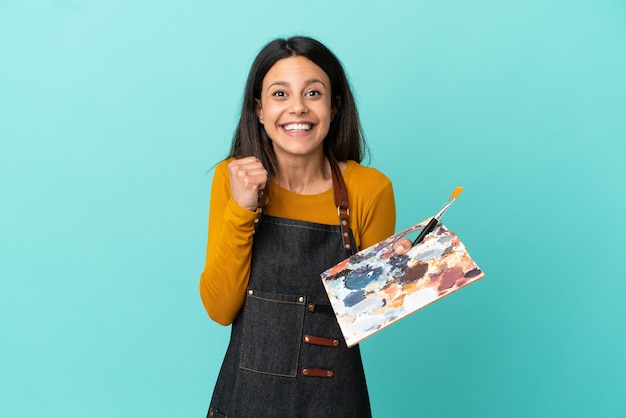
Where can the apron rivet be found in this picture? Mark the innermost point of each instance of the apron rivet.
(250, 292)
(301, 299)
(305, 371)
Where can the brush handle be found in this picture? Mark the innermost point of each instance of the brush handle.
(427, 230)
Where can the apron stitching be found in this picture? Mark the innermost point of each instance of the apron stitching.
(243, 338)
(270, 373)
(327, 227)
(276, 301)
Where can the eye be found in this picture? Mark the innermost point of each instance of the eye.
(312, 93)
(279, 93)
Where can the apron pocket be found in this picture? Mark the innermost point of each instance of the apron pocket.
(272, 333)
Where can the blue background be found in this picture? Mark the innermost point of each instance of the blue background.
(113, 112)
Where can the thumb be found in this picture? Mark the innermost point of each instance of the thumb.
(402, 246)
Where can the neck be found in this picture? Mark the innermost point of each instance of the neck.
(306, 176)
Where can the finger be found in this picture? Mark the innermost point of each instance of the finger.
(402, 246)
(250, 171)
(248, 163)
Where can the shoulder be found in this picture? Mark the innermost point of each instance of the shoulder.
(222, 166)
(360, 178)
(221, 169)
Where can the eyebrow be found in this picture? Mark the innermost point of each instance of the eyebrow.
(306, 83)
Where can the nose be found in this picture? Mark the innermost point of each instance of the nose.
(298, 105)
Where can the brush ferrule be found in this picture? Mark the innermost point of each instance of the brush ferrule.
(443, 210)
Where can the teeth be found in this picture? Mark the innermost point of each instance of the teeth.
(297, 127)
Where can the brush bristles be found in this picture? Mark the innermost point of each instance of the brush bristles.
(456, 193)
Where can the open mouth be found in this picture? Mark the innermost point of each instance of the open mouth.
(297, 127)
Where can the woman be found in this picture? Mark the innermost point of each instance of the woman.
(295, 159)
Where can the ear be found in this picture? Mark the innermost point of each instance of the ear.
(259, 110)
(335, 108)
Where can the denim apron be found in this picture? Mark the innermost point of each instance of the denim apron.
(287, 356)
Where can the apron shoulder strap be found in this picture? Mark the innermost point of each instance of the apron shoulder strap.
(341, 201)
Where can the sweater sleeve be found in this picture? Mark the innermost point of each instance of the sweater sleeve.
(378, 219)
(227, 269)
(372, 204)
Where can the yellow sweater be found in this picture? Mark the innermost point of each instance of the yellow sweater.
(225, 277)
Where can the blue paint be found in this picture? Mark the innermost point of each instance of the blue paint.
(353, 298)
(358, 279)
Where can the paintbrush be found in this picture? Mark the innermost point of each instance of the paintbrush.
(435, 220)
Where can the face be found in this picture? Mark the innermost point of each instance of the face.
(295, 108)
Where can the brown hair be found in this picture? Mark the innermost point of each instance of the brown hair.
(345, 140)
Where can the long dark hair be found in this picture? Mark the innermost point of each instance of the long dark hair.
(345, 140)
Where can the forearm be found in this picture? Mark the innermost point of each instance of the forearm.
(229, 245)
(225, 277)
